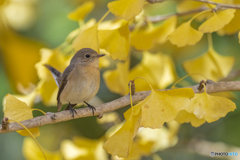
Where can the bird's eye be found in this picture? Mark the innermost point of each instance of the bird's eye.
(87, 55)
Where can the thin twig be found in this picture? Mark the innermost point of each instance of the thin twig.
(164, 17)
(220, 5)
(110, 106)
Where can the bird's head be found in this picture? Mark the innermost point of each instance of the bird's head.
(86, 56)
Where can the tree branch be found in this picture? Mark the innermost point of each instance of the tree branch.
(220, 5)
(51, 118)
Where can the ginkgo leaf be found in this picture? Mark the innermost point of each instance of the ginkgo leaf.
(217, 21)
(210, 108)
(28, 99)
(126, 9)
(162, 106)
(239, 36)
(145, 39)
(233, 26)
(16, 110)
(185, 6)
(87, 38)
(123, 138)
(185, 117)
(82, 11)
(117, 80)
(47, 86)
(83, 148)
(185, 35)
(31, 151)
(161, 138)
(115, 40)
(160, 72)
(212, 65)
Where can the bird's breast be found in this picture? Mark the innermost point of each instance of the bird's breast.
(82, 85)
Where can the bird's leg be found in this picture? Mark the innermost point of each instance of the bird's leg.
(70, 107)
(90, 106)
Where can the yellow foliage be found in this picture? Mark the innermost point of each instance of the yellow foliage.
(210, 108)
(82, 11)
(126, 9)
(185, 6)
(123, 138)
(117, 80)
(233, 26)
(145, 39)
(218, 21)
(114, 38)
(239, 36)
(31, 151)
(16, 110)
(185, 117)
(19, 55)
(28, 99)
(47, 86)
(212, 65)
(157, 68)
(83, 149)
(87, 38)
(162, 106)
(185, 35)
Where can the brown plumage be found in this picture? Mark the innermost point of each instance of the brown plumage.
(80, 81)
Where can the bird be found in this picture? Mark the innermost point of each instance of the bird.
(80, 81)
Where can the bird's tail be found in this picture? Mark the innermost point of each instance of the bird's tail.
(56, 74)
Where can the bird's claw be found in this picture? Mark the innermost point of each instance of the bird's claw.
(72, 111)
(91, 107)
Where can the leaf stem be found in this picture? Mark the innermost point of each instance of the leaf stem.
(33, 138)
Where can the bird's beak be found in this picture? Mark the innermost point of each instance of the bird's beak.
(100, 55)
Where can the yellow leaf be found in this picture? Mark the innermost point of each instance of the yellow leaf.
(161, 138)
(212, 65)
(239, 36)
(31, 151)
(117, 80)
(185, 35)
(185, 117)
(83, 148)
(120, 143)
(47, 86)
(233, 26)
(217, 22)
(19, 55)
(145, 39)
(115, 40)
(28, 99)
(126, 9)
(104, 61)
(82, 11)
(16, 110)
(157, 68)
(210, 108)
(162, 106)
(87, 39)
(185, 6)
(2, 2)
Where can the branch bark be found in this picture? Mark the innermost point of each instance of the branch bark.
(220, 5)
(51, 118)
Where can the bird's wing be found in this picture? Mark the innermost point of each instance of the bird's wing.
(63, 82)
(56, 74)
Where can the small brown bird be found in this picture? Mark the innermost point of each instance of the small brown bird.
(80, 81)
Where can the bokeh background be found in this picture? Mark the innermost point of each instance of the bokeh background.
(33, 24)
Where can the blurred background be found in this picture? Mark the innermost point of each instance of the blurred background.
(28, 25)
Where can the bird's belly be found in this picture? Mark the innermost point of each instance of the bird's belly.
(83, 90)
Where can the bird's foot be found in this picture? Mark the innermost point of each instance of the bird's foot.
(90, 106)
(70, 107)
